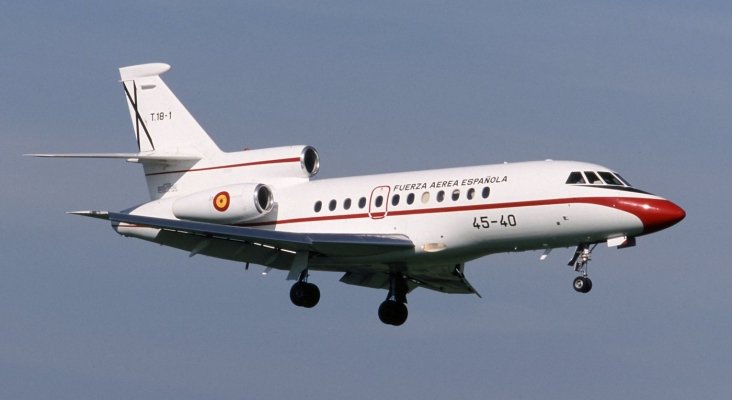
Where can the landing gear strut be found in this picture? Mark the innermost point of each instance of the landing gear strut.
(393, 311)
(303, 293)
(580, 261)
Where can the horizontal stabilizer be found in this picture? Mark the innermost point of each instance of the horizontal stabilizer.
(143, 70)
(157, 156)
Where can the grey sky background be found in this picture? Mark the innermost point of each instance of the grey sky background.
(644, 88)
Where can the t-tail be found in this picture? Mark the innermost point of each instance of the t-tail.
(179, 157)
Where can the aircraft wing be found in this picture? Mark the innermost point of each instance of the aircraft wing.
(331, 244)
(446, 279)
(441, 278)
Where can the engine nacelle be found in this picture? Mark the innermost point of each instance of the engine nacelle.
(226, 205)
(309, 161)
(280, 162)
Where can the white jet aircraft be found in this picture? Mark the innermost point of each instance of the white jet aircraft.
(394, 231)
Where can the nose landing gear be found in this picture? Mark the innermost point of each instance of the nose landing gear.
(580, 261)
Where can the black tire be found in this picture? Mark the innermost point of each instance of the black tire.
(588, 286)
(393, 313)
(582, 284)
(312, 296)
(304, 294)
(298, 294)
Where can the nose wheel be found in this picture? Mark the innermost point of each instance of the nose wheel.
(582, 284)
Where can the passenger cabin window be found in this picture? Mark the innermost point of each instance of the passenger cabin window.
(486, 192)
(425, 197)
(575, 178)
(362, 202)
(395, 200)
(410, 198)
(379, 201)
(455, 194)
(332, 205)
(318, 206)
(346, 204)
(610, 179)
(470, 194)
(593, 178)
(440, 196)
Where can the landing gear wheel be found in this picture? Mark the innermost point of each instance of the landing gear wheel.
(304, 294)
(582, 284)
(393, 312)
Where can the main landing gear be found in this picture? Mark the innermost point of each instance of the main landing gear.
(393, 311)
(303, 293)
(580, 261)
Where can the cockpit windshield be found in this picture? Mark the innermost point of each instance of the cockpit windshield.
(610, 179)
(575, 178)
(625, 181)
(596, 178)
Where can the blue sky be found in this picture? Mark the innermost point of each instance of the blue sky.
(642, 87)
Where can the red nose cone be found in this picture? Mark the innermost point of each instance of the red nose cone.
(658, 214)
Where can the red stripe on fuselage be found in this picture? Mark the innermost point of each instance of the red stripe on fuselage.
(249, 164)
(632, 205)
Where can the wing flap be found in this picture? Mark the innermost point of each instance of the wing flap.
(440, 278)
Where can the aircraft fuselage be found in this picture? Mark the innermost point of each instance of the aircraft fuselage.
(452, 215)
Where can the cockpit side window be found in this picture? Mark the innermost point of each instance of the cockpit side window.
(593, 178)
(610, 179)
(625, 181)
(575, 178)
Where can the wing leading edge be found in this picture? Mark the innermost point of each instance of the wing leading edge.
(330, 244)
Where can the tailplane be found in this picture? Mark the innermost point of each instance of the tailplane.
(169, 140)
(179, 158)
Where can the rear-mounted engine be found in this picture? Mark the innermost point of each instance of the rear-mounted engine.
(226, 205)
(310, 161)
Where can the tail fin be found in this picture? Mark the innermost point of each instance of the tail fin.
(162, 124)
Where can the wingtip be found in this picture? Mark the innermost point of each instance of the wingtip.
(91, 214)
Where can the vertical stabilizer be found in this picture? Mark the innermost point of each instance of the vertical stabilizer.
(161, 123)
